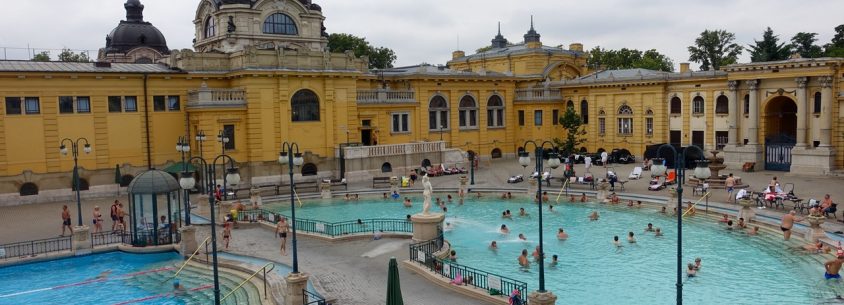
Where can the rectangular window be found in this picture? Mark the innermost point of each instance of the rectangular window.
(83, 104)
(649, 126)
(158, 103)
(65, 104)
(625, 126)
(432, 121)
(555, 117)
(675, 136)
(521, 118)
(473, 118)
(697, 138)
(115, 104)
(173, 103)
(13, 105)
(130, 103)
(721, 138)
(490, 122)
(602, 126)
(443, 119)
(537, 117)
(500, 117)
(228, 130)
(400, 122)
(33, 105)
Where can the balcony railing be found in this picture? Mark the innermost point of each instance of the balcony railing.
(359, 152)
(216, 98)
(385, 96)
(541, 94)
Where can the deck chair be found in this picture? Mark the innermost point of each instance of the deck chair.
(657, 184)
(636, 173)
(672, 178)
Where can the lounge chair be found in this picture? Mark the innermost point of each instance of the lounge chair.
(656, 184)
(516, 179)
(671, 179)
(636, 173)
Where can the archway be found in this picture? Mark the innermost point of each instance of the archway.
(780, 132)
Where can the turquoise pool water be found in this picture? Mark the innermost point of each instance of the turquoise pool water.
(133, 279)
(736, 268)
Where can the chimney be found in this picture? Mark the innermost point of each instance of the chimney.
(684, 67)
(578, 47)
(457, 54)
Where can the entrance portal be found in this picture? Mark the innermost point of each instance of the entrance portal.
(780, 133)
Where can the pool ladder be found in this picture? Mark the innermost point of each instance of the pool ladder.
(268, 267)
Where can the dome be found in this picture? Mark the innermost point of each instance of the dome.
(134, 32)
(153, 182)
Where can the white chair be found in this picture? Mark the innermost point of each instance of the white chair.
(636, 173)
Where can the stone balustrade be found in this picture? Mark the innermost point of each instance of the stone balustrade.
(385, 96)
(216, 98)
(540, 94)
(361, 152)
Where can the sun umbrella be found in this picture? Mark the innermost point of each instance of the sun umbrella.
(393, 284)
(117, 177)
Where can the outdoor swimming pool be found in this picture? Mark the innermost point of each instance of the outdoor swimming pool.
(133, 279)
(736, 268)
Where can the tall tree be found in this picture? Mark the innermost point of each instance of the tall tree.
(629, 58)
(43, 56)
(804, 44)
(574, 136)
(836, 47)
(769, 48)
(379, 57)
(714, 49)
(68, 56)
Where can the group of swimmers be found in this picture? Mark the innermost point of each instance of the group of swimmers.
(741, 225)
(354, 197)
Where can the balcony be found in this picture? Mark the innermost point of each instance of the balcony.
(385, 96)
(538, 95)
(362, 152)
(210, 98)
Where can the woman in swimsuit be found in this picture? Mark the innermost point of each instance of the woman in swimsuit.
(281, 231)
(227, 234)
(98, 220)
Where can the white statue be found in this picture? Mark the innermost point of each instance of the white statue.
(426, 194)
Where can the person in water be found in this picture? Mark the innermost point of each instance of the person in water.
(593, 216)
(562, 235)
(616, 243)
(522, 237)
(650, 228)
(833, 266)
(522, 212)
(504, 229)
(493, 245)
(658, 232)
(554, 261)
(691, 272)
(523, 260)
(630, 238)
(697, 263)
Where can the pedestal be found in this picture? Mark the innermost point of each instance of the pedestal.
(532, 187)
(81, 241)
(325, 190)
(812, 161)
(815, 231)
(296, 283)
(427, 227)
(188, 244)
(461, 189)
(746, 210)
(542, 298)
(223, 208)
(603, 193)
(736, 156)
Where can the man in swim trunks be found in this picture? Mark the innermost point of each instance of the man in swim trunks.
(66, 220)
(227, 234)
(832, 267)
(730, 183)
(523, 260)
(281, 231)
(788, 223)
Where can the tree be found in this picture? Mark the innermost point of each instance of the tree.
(68, 56)
(836, 47)
(629, 59)
(43, 56)
(769, 48)
(483, 49)
(379, 57)
(714, 49)
(575, 136)
(804, 44)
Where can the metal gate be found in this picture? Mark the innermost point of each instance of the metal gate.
(778, 153)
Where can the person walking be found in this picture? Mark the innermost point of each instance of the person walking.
(730, 183)
(66, 220)
(98, 220)
(281, 230)
(114, 214)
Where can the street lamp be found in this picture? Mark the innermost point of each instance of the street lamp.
(223, 138)
(187, 182)
(74, 148)
(472, 168)
(553, 162)
(183, 147)
(291, 156)
(200, 138)
(659, 169)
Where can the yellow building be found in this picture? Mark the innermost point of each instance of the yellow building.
(259, 76)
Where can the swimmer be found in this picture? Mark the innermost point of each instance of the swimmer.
(551, 209)
(724, 219)
(439, 202)
(691, 272)
(493, 246)
(522, 237)
(445, 209)
(630, 238)
(384, 196)
(509, 214)
(616, 243)
(448, 227)
(741, 223)
(504, 229)
(650, 228)
(832, 267)
(816, 248)
(536, 254)
(572, 198)
(582, 197)
(630, 204)
(544, 196)
(729, 225)
(504, 195)
(594, 216)
(662, 210)
(753, 231)
(449, 198)
(178, 288)
(505, 215)
(554, 261)
(638, 204)
(658, 232)
(479, 194)
(523, 260)
(522, 212)
(347, 198)
(104, 275)
(697, 263)
(562, 235)
(407, 202)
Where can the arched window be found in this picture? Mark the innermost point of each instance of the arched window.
(649, 121)
(438, 113)
(305, 106)
(676, 105)
(386, 167)
(29, 189)
(468, 112)
(279, 23)
(210, 27)
(83, 185)
(817, 108)
(722, 105)
(746, 103)
(126, 179)
(496, 153)
(697, 105)
(570, 105)
(495, 112)
(584, 112)
(309, 169)
(625, 120)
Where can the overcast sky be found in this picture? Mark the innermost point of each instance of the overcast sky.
(427, 31)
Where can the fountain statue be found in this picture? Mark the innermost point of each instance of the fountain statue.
(426, 194)
(716, 180)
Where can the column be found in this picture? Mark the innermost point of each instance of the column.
(801, 110)
(753, 119)
(826, 111)
(734, 113)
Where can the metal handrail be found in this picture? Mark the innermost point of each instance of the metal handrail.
(334, 229)
(307, 296)
(34, 247)
(264, 269)
(187, 261)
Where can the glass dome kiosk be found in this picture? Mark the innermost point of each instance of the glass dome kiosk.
(152, 196)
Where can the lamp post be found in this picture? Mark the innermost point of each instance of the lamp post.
(441, 132)
(659, 169)
(223, 138)
(472, 168)
(553, 162)
(74, 148)
(291, 156)
(200, 138)
(183, 147)
(187, 181)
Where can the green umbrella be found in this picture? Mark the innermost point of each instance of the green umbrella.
(117, 177)
(393, 284)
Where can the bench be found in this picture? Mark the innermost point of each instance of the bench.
(376, 181)
(309, 185)
(260, 188)
(337, 182)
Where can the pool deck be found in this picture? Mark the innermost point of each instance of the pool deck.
(353, 279)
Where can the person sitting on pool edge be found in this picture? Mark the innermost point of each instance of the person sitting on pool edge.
(523, 260)
(833, 266)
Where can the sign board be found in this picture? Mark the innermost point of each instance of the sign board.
(420, 256)
(447, 270)
(493, 282)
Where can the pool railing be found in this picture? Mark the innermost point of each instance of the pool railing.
(333, 229)
(310, 298)
(109, 238)
(35, 247)
(423, 253)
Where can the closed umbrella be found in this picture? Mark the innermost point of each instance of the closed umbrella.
(117, 177)
(393, 284)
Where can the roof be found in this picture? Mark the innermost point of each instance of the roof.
(85, 67)
(427, 69)
(634, 75)
(625, 73)
(153, 182)
(519, 49)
